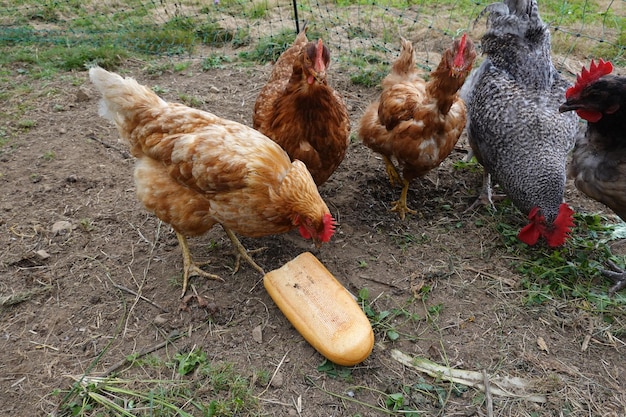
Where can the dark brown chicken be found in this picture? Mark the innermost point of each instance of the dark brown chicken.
(598, 164)
(299, 110)
(416, 122)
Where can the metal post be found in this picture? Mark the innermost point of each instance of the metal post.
(295, 15)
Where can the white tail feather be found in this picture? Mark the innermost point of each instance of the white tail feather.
(121, 97)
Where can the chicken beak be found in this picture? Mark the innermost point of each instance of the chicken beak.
(569, 106)
(320, 76)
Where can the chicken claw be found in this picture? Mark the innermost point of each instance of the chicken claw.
(618, 276)
(190, 268)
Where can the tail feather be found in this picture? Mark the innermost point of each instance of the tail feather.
(405, 63)
(121, 97)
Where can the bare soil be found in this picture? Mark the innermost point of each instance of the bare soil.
(74, 239)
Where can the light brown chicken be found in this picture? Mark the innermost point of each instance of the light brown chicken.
(415, 122)
(194, 170)
(301, 112)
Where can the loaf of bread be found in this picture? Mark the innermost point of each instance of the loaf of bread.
(321, 309)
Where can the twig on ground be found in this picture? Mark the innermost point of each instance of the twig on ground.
(124, 153)
(274, 374)
(504, 386)
(507, 281)
(147, 300)
(488, 394)
(20, 297)
(170, 338)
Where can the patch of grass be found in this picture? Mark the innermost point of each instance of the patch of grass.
(86, 224)
(269, 48)
(189, 361)
(224, 392)
(366, 69)
(614, 52)
(48, 156)
(211, 33)
(571, 272)
(404, 239)
(335, 371)
(191, 101)
(175, 37)
(471, 166)
(26, 124)
(257, 9)
(214, 61)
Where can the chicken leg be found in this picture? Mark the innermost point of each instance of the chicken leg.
(395, 179)
(618, 276)
(241, 252)
(190, 268)
(400, 205)
(392, 172)
(486, 197)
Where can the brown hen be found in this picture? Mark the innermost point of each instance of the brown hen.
(301, 112)
(194, 170)
(415, 122)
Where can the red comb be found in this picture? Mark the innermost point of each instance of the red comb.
(319, 57)
(458, 59)
(586, 77)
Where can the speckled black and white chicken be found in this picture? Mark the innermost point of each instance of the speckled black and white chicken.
(513, 122)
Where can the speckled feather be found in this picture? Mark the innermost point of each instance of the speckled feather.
(514, 127)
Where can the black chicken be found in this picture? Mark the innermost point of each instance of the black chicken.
(598, 163)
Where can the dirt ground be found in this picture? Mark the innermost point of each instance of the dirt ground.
(74, 239)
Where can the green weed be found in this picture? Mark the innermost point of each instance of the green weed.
(335, 371)
(387, 322)
(48, 156)
(191, 101)
(214, 61)
(224, 392)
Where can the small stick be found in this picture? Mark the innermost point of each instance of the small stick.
(171, 337)
(488, 394)
(274, 374)
(125, 154)
(128, 290)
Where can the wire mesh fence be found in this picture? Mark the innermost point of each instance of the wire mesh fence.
(360, 33)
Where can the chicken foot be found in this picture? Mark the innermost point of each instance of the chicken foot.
(191, 268)
(486, 197)
(400, 205)
(241, 252)
(618, 276)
